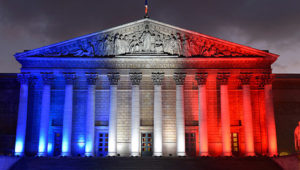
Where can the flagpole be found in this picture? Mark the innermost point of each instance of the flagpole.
(146, 9)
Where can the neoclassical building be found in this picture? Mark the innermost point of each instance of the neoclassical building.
(146, 88)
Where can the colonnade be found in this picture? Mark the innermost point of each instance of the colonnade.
(157, 78)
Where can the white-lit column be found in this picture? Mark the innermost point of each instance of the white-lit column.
(225, 114)
(247, 113)
(112, 127)
(270, 119)
(68, 112)
(22, 114)
(135, 113)
(202, 114)
(180, 127)
(90, 115)
(44, 121)
(157, 81)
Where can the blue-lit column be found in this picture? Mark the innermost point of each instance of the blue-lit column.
(22, 114)
(180, 126)
(44, 122)
(112, 127)
(157, 81)
(90, 115)
(68, 111)
(135, 113)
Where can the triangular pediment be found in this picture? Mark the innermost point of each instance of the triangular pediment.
(146, 37)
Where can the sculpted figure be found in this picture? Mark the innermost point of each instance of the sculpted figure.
(168, 45)
(177, 44)
(126, 44)
(85, 49)
(134, 44)
(120, 44)
(109, 50)
(194, 48)
(158, 44)
(297, 138)
(186, 46)
(148, 40)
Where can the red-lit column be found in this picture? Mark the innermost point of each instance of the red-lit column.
(180, 127)
(247, 113)
(270, 119)
(202, 124)
(225, 115)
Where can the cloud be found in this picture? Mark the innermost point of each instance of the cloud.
(263, 24)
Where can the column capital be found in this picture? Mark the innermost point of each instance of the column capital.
(157, 77)
(113, 78)
(69, 77)
(245, 78)
(47, 77)
(24, 78)
(179, 78)
(135, 78)
(91, 78)
(201, 78)
(265, 79)
(223, 78)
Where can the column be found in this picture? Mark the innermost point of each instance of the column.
(22, 114)
(247, 114)
(44, 122)
(180, 127)
(225, 114)
(135, 113)
(157, 81)
(202, 114)
(113, 109)
(67, 118)
(90, 114)
(270, 119)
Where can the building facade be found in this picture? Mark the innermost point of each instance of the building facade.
(146, 88)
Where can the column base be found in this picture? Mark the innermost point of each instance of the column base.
(112, 154)
(19, 153)
(181, 154)
(250, 154)
(42, 154)
(203, 154)
(134, 154)
(65, 154)
(157, 154)
(272, 154)
(227, 154)
(88, 154)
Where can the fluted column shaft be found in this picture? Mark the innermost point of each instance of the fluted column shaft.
(44, 122)
(68, 112)
(157, 80)
(22, 114)
(180, 126)
(247, 113)
(225, 114)
(90, 115)
(270, 118)
(202, 114)
(135, 113)
(112, 128)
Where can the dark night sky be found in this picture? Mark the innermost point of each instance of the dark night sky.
(262, 24)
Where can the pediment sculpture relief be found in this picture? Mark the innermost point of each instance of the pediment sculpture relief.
(146, 39)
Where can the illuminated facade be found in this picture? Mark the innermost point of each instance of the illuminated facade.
(146, 88)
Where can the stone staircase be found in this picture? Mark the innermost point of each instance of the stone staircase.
(145, 163)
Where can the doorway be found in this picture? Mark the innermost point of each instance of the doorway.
(147, 144)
